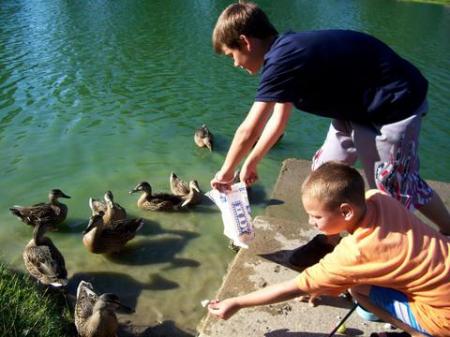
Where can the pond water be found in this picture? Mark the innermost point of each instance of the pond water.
(99, 95)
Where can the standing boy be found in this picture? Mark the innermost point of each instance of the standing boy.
(393, 264)
(375, 98)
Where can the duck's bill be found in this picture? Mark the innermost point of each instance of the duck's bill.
(125, 308)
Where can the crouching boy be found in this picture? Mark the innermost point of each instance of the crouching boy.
(390, 261)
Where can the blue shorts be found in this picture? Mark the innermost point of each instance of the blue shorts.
(396, 303)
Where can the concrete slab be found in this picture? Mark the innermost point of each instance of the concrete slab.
(283, 228)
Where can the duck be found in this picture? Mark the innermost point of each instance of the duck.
(52, 213)
(156, 202)
(43, 260)
(203, 137)
(194, 196)
(112, 210)
(95, 316)
(178, 186)
(99, 237)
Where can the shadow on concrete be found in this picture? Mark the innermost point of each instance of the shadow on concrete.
(301, 257)
(287, 333)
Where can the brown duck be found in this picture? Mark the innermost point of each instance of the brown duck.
(203, 137)
(52, 213)
(95, 316)
(156, 202)
(43, 260)
(112, 210)
(99, 237)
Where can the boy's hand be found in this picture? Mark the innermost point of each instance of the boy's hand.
(222, 182)
(248, 174)
(223, 309)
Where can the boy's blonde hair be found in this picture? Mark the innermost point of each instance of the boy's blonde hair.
(333, 184)
(241, 19)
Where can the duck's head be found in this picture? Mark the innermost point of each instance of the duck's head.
(85, 287)
(142, 187)
(193, 185)
(110, 301)
(109, 197)
(57, 193)
(94, 221)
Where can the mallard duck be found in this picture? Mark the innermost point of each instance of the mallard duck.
(52, 213)
(156, 202)
(95, 316)
(178, 186)
(99, 237)
(203, 137)
(194, 196)
(43, 260)
(112, 210)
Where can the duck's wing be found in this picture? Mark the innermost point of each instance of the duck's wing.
(178, 186)
(57, 258)
(173, 200)
(124, 226)
(32, 214)
(41, 265)
(119, 212)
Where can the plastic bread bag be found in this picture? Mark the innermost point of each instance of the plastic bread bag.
(235, 209)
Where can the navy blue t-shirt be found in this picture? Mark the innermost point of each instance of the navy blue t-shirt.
(341, 74)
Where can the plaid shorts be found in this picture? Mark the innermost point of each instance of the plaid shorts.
(388, 153)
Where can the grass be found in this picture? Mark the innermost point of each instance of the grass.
(437, 2)
(27, 311)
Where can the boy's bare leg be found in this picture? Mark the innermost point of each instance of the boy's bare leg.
(361, 295)
(436, 211)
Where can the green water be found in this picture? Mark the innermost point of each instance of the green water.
(98, 95)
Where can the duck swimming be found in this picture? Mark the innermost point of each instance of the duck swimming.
(43, 260)
(156, 202)
(95, 316)
(178, 186)
(52, 213)
(203, 137)
(99, 237)
(112, 210)
(189, 192)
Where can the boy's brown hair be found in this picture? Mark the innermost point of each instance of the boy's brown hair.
(241, 19)
(333, 184)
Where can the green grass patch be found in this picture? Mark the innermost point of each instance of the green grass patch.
(436, 2)
(28, 311)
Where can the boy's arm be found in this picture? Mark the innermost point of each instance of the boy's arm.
(272, 294)
(270, 135)
(256, 124)
(244, 138)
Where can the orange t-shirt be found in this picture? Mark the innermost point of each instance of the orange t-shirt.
(390, 248)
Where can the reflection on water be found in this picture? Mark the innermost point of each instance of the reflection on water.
(99, 95)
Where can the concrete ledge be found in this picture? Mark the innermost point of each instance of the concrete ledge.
(283, 228)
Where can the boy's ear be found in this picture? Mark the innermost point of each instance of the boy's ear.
(347, 211)
(245, 42)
